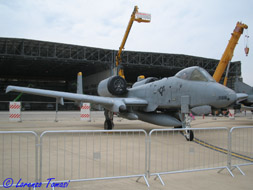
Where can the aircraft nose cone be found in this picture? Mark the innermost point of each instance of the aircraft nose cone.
(224, 97)
(227, 98)
(232, 97)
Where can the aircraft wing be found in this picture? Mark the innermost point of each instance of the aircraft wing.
(113, 104)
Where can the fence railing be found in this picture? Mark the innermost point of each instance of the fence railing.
(93, 154)
(84, 155)
(241, 150)
(19, 156)
(170, 153)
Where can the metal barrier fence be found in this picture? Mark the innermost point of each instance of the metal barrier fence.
(84, 155)
(241, 150)
(18, 158)
(169, 152)
(90, 155)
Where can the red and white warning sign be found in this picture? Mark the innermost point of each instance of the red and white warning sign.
(15, 111)
(85, 112)
(231, 114)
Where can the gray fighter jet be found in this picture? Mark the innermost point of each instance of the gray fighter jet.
(165, 102)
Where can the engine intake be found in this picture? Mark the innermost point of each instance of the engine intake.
(112, 86)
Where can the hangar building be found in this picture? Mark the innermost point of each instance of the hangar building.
(54, 66)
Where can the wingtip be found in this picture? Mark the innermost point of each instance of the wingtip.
(8, 89)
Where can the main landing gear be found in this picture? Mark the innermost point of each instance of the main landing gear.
(108, 124)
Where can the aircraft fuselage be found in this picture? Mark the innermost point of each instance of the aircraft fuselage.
(170, 92)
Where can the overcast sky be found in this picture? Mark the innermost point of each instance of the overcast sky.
(192, 27)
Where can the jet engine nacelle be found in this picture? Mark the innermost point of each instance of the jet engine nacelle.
(112, 86)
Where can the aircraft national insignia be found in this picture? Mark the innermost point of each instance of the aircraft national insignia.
(161, 90)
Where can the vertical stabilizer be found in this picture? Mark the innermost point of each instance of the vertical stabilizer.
(79, 89)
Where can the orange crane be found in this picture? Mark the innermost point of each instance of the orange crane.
(229, 51)
(136, 16)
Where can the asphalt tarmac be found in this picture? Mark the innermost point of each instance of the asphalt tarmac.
(45, 121)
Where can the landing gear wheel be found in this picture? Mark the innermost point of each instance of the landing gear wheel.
(108, 125)
(189, 135)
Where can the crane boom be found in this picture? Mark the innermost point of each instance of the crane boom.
(228, 53)
(136, 16)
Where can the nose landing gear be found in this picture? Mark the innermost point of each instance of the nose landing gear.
(186, 124)
(189, 135)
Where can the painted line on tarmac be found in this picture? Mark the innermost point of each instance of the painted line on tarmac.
(222, 150)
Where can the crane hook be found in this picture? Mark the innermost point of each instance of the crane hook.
(246, 49)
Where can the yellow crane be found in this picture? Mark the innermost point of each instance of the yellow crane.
(228, 53)
(136, 16)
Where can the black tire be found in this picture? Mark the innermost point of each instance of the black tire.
(191, 135)
(108, 124)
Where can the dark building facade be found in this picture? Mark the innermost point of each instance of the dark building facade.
(54, 66)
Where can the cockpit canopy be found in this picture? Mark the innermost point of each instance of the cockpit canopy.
(195, 74)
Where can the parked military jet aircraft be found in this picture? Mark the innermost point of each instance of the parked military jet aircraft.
(165, 102)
